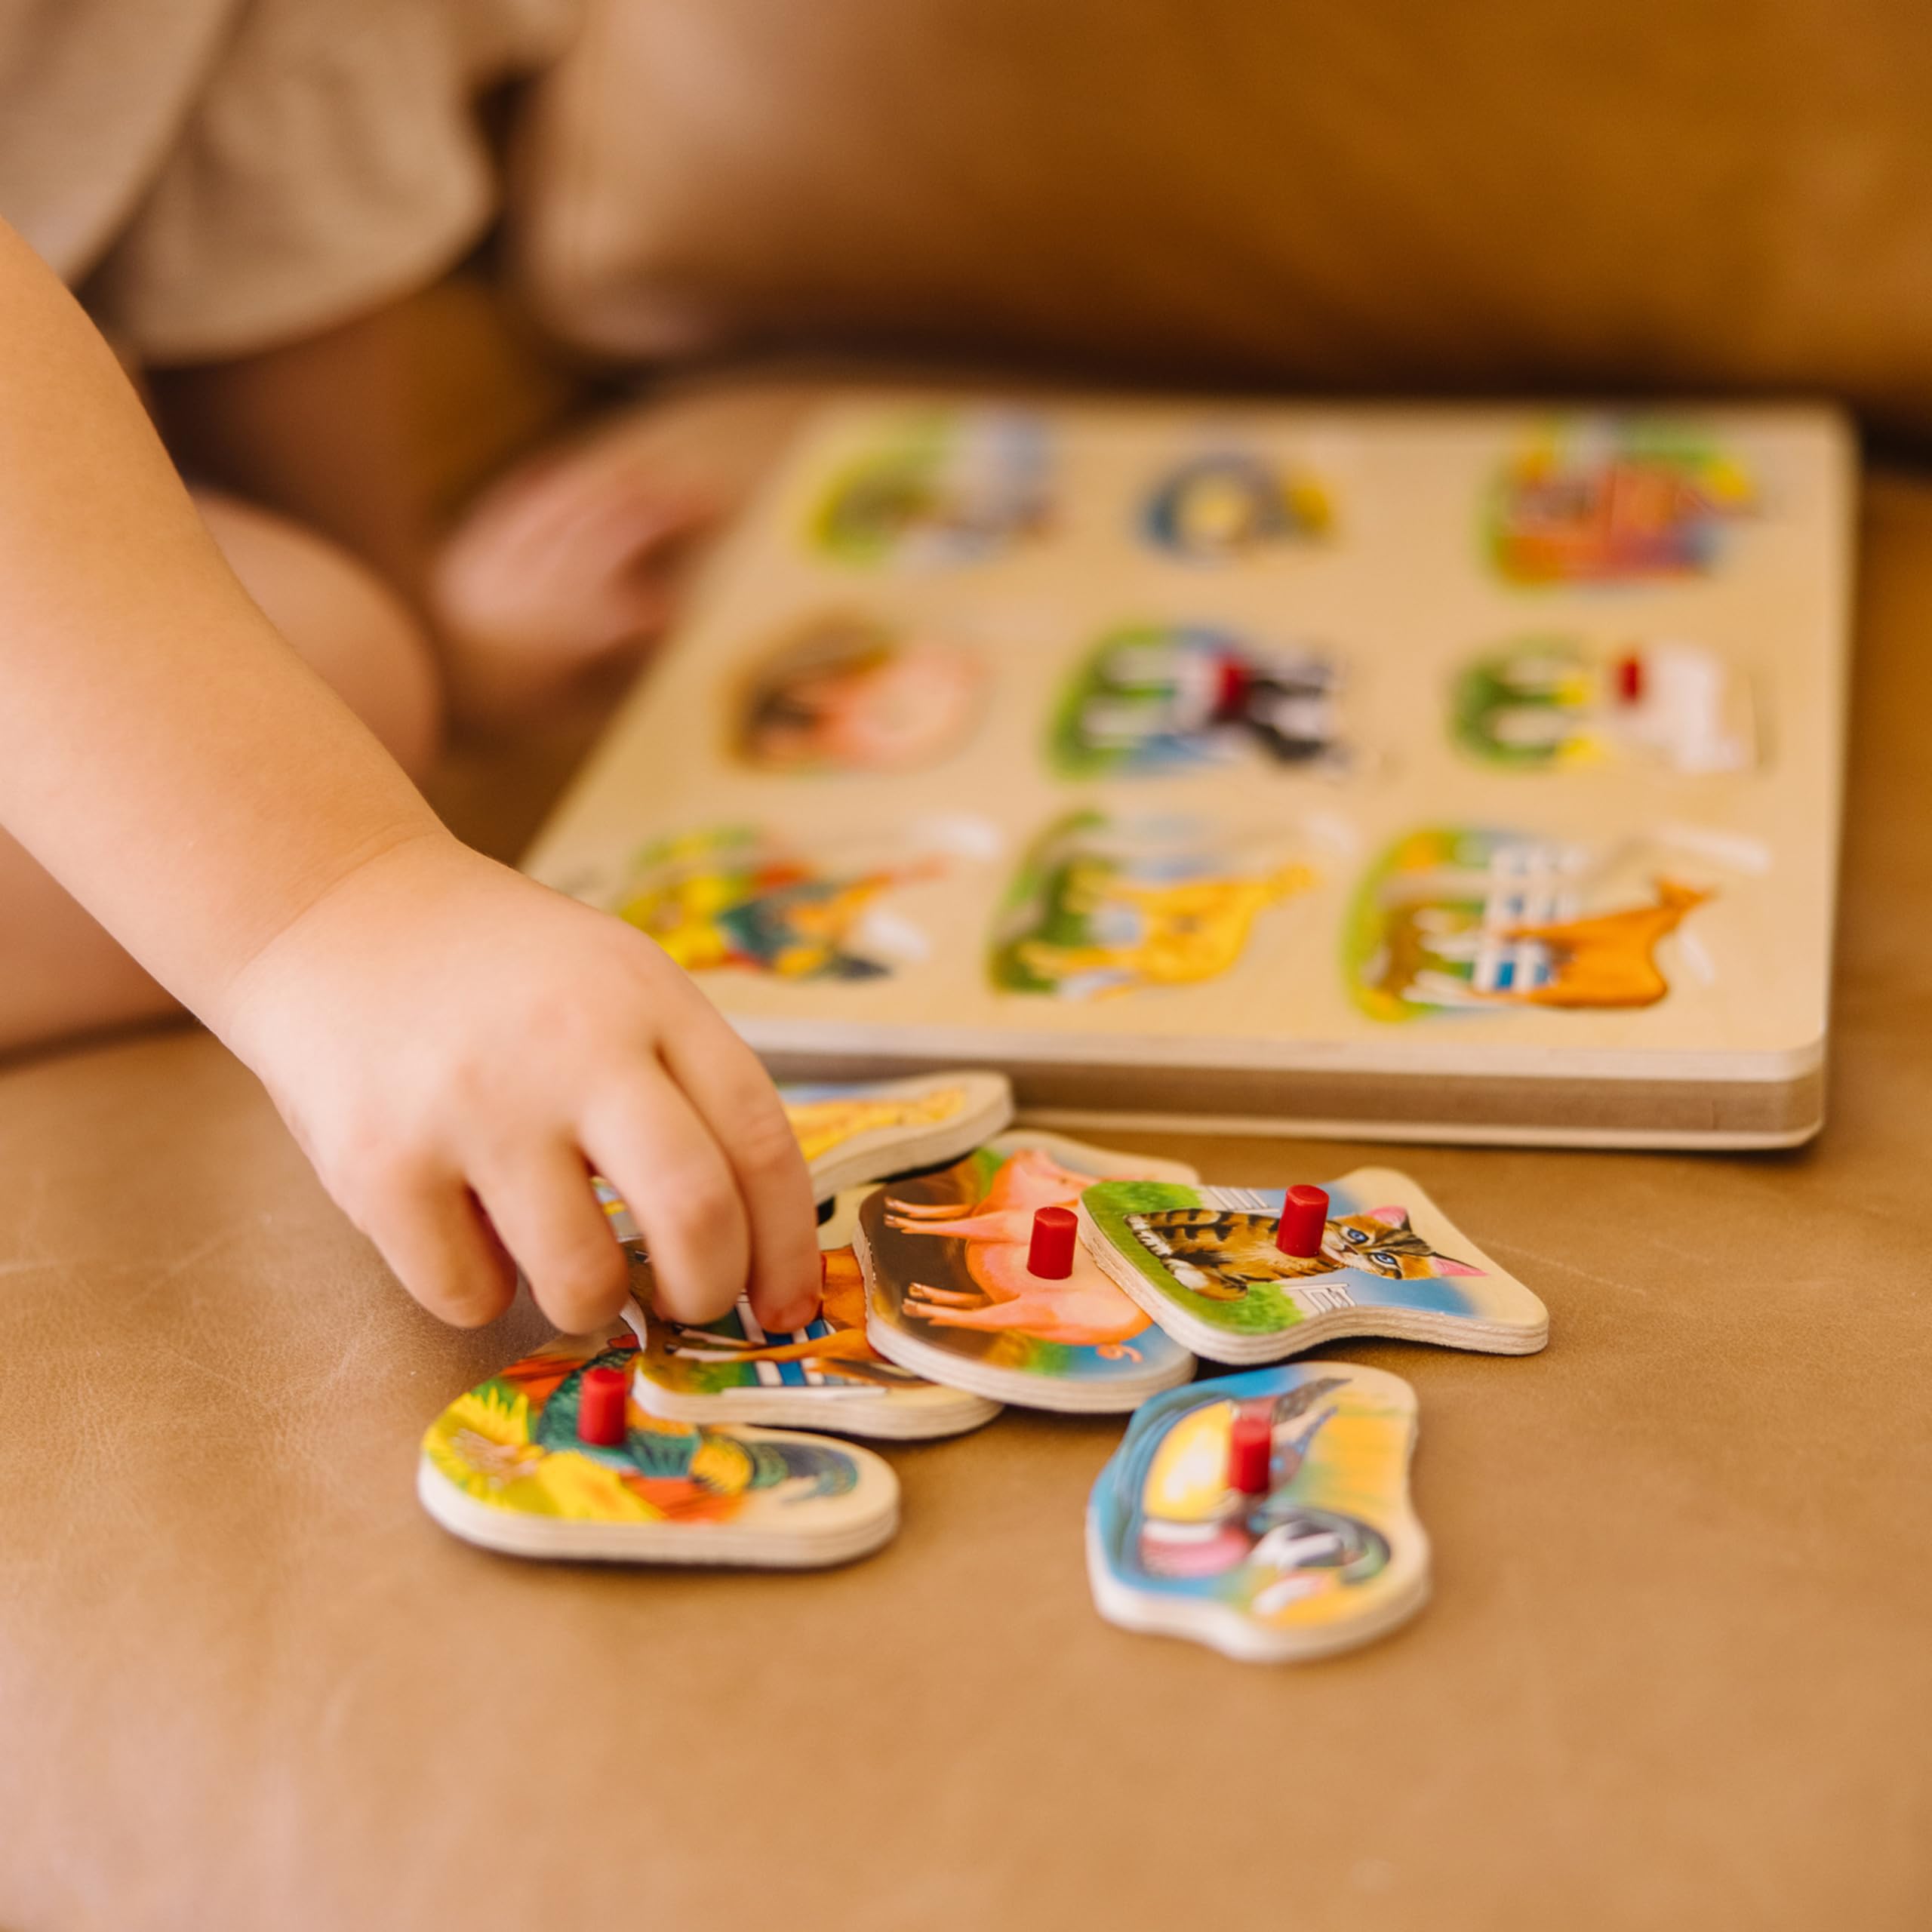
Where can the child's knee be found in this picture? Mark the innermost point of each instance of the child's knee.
(343, 619)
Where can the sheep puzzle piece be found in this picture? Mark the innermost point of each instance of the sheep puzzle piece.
(1266, 1514)
(539, 1461)
(1209, 1265)
(963, 1285)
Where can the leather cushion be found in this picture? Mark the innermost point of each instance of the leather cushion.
(1396, 194)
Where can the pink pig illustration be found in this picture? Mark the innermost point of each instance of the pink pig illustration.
(1085, 1310)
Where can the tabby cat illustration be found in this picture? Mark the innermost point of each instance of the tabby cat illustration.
(1223, 1252)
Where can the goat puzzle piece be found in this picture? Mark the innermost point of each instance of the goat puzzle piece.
(953, 1293)
(507, 1465)
(1204, 1263)
(1265, 1514)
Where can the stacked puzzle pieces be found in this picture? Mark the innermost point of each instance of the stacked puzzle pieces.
(1265, 1512)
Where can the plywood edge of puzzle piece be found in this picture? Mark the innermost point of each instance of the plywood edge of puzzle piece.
(909, 1411)
(1029, 1388)
(1514, 1321)
(483, 1475)
(1179, 1501)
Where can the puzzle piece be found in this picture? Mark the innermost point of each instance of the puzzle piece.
(952, 1294)
(826, 1376)
(1205, 1263)
(853, 1131)
(506, 1465)
(1265, 1514)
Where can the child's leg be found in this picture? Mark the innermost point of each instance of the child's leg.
(60, 973)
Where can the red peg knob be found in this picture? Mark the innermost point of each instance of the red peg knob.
(1304, 1216)
(1250, 1453)
(1056, 1234)
(600, 1395)
(1630, 678)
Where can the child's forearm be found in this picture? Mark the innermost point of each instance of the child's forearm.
(162, 751)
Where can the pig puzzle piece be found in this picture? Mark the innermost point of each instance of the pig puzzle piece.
(1204, 1263)
(1265, 1514)
(507, 1465)
(853, 1131)
(953, 1293)
(826, 1376)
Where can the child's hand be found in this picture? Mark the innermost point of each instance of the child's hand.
(567, 567)
(457, 1049)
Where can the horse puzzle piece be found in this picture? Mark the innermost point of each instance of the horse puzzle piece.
(1265, 1514)
(950, 1293)
(505, 1466)
(827, 1375)
(851, 1132)
(1204, 1263)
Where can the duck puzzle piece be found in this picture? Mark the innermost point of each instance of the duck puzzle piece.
(973, 1278)
(1265, 1514)
(548, 1459)
(827, 1375)
(1215, 1267)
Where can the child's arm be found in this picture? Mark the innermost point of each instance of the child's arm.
(439, 1032)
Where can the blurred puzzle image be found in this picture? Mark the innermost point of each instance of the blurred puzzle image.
(938, 488)
(1229, 503)
(1611, 499)
(1167, 697)
(1102, 907)
(1460, 918)
(849, 692)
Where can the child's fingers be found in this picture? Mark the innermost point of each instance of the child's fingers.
(443, 1251)
(651, 1146)
(547, 1214)
(725, 1081)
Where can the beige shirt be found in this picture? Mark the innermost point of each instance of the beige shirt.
(218, 176)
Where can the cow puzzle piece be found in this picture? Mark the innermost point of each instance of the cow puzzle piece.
(548, 1460)
(1206, 1264)
(957, 1290)
(1265, 1514)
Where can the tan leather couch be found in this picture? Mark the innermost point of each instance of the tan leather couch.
(1677, 1671)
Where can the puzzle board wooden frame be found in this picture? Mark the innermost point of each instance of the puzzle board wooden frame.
(1403, 587)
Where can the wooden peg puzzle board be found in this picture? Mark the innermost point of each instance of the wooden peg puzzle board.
(1429, 774)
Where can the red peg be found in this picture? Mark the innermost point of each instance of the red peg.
(1250, 1452)
(1231, 685)
(1304, 1216)
(1630, 678)
(1055, 1233)
(600, 1395)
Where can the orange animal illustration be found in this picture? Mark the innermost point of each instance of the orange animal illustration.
(1085, 1310)
(1607, 961)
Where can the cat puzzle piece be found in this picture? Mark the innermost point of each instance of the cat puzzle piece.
(1227, 1276)
(974, 1279)
(1265, 1514)
(826, 1375)
(548, 1459)
(854, 1131)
